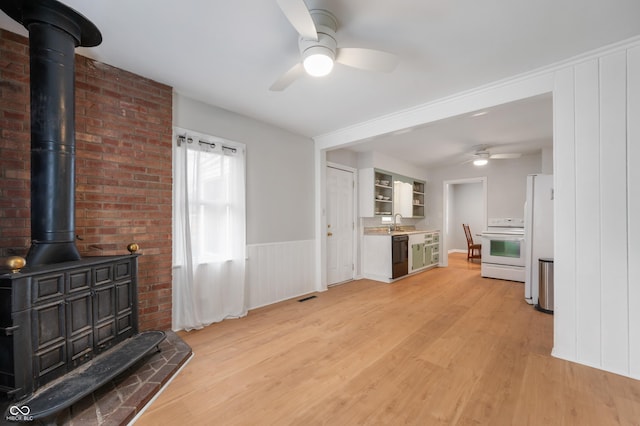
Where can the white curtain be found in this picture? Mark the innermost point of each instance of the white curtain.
(208, 230)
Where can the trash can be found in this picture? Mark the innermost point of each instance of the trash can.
(545, 285)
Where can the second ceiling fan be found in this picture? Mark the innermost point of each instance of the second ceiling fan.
(481, 156)
(319, 47)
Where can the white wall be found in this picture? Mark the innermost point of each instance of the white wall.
(344, 157)
(597, 187)
(547, 161)
(280, 180)
(506, 185)
(391, 164)
(280, 199)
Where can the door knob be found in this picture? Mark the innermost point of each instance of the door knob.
(329, 234)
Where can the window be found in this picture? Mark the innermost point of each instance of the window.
(208, 230)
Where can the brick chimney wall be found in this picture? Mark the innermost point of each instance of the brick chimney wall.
(123, 169)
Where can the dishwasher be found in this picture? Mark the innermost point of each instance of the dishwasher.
(400, 255)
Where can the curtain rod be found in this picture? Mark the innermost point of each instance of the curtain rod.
(183, 138)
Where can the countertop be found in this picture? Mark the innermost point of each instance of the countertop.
(384, 231)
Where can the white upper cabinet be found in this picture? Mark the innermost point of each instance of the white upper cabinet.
(383, 193)
(402, 198)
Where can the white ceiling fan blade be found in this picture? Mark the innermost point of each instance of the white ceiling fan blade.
(504, 156)
(287, 78)
(367, 59)
(297, 13)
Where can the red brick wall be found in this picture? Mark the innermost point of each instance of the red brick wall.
(123, 169)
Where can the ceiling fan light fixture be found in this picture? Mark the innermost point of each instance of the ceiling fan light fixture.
(319, 55)
(480, 162)
(318, 64)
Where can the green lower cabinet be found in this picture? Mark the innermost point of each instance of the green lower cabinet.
(418, 256)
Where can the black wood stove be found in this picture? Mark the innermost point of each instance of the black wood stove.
(67, 324)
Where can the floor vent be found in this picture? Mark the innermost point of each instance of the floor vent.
(304, 299)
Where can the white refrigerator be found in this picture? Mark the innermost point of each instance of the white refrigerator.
(538, 230)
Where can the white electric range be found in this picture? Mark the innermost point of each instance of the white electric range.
(503, 249)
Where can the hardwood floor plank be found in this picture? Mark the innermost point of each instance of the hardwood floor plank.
(441, 347)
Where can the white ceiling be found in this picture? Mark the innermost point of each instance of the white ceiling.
(228, 53)
(522, 127)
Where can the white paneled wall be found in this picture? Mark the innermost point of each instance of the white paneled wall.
(279, 271)
(564, 216)
(588, 212)
(614, 217)
(597, 144)
(633, 189)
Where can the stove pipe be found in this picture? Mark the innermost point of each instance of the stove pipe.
(54, 32)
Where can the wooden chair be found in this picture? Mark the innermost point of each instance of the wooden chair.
(474, 251)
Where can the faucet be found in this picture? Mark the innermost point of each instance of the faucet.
(395, 224)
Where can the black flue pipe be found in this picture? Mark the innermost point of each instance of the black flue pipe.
(55, 30)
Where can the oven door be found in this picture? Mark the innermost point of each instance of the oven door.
(503, 249)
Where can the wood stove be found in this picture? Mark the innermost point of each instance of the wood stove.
(54, 318)
(67, 324)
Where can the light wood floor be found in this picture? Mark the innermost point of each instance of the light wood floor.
(441, 347)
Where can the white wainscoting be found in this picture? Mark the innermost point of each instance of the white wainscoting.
(279, 271)
(596, 140)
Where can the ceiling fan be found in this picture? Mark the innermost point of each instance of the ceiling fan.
(481, 156)
(319, 47)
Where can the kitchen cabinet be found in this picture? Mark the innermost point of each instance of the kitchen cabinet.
(376, 192)
(417, 256)
(431, 249)
(382, 193)
(408, 197)
(416, 243)
(425, 250)
(418, 198)
(402, 198)
(377, 260)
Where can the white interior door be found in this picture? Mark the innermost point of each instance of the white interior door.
(340, 225)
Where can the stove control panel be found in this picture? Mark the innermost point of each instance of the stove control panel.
(506, 222)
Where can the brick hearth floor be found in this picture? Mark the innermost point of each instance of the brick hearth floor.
(118, 402)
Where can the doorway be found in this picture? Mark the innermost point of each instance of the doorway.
(465, 201)
(341, 221)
